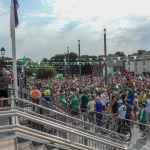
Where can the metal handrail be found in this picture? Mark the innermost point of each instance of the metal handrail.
(62, 128)
(136, 122)
(43, 136)
(65, 115)
(54, 125)
(45, 117)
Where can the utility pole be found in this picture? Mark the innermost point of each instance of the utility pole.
(79, 60)
(105, 53)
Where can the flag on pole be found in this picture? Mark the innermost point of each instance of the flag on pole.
(16, 6)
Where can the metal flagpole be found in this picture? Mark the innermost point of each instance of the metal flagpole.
(13, 37)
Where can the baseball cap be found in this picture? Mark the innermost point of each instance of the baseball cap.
(120, 101)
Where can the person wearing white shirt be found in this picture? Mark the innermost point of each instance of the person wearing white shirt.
(103, 100)
(121, 113)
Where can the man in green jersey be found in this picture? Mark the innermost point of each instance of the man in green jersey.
(84, 102)
(75, 106)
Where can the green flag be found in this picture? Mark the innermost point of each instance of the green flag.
(24, 62)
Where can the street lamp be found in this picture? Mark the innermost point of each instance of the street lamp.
(2, 53)
(64, 64)
(79, 60)
(68, 61)
(105, 53)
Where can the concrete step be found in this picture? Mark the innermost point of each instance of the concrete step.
(7, 144)
(42, 147)
(25, 146)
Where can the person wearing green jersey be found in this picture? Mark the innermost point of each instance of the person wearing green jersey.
(84, 102)
(74, 106)
(63, 98)
(130, 95)
(89, 94)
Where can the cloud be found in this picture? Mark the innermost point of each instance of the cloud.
(71, 25)
(53, 25)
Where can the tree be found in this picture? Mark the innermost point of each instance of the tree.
(45, 60)
(45, 73)
(120, 53)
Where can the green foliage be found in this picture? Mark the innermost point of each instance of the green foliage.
(120, 53)
(45, 73)
(73, 55)
(44, 60)
(58, 56)
(30, 71)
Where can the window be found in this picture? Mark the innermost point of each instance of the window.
(143, 62)
(135, 69)
(135, 63)
(128, 63)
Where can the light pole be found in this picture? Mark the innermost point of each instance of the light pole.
(64, 64)
(105, 53)
(2, 53)
(79, 60)
(68, 61)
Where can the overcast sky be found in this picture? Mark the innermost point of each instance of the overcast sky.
(48, 27)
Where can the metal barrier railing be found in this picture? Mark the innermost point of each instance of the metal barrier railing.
(67, 120)
(135, 141)
(74, 137)
(135, 127)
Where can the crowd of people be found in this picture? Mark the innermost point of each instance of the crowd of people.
(127, 97)
(124, 96)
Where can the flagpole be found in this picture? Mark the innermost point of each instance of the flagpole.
(13, 37)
